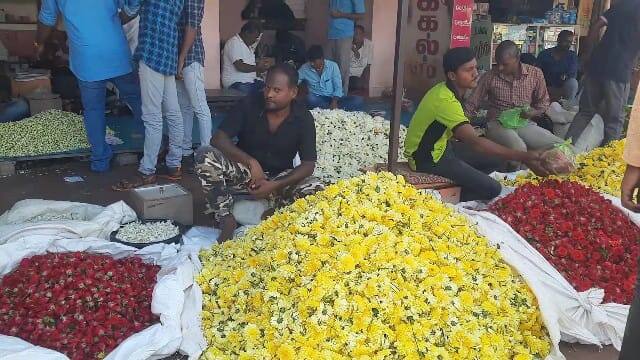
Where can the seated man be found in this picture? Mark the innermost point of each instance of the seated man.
(509, 85)
(271, 129)
(289, 48)
(560, 67)
(239, 66)
(324, 82)
(441, 141)
(360, 61)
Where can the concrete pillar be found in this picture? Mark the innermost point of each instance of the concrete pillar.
(383, 35)
(211, 40)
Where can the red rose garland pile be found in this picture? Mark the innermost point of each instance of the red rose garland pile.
(587, 239)
(82, 305)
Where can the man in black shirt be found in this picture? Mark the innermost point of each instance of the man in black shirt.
(608, 73)
(271, 129)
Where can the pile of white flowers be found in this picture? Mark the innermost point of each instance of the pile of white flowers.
(139, 233)
(349, 141)
(55, 217)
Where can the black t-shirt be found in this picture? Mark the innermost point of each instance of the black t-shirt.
(614, 57)
(275, 152)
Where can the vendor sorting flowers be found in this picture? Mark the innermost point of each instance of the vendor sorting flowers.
(441, 141)
(271, 129)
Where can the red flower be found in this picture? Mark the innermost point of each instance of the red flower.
(562, 251)
(590, 241)
(82, 305)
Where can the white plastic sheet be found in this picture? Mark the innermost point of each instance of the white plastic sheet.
(174, 299)
(90, 221)
(570, 316)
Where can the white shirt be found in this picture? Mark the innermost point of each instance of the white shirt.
(366, 53)
(235, 49)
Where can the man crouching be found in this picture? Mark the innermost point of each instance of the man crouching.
(271, 129)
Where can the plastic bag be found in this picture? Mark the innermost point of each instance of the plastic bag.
(561, 159)
(511, 119)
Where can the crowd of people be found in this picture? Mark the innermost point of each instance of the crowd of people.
(441, 141)
(158, 69)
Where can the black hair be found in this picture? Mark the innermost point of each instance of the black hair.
(315, 53)
(565, 34)
(507, 49)
(454, 58)
(285, 69)
(251, 27)
(360, 27)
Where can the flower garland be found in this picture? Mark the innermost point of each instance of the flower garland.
(601, 169)
(588, 240)
(349, 141)
(83, 305)
(368, 268)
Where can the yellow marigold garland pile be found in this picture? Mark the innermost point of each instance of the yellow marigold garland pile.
(601, 169)
(367, 269)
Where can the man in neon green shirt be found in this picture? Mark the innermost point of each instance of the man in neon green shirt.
(441, 141)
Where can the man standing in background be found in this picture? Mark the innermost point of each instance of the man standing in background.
(343, 15)
(608, 73)
(99, 53)
(191, 94)
(157, 54)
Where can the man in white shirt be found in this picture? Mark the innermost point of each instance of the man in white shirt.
(362, 54)
(239, 66)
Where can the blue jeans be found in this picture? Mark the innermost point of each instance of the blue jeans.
(348, 103)
(248, 88)
(93, 95)
(15, 110)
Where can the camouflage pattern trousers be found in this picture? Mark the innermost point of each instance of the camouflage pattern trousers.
(224, 181)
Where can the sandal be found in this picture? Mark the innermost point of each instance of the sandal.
(140, 180)
(172, 174)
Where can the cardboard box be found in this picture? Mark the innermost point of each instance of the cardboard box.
(40, 102)
(24, 88)
(163, 202)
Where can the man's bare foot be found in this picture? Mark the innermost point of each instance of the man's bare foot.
(268, 213)
(228, 225)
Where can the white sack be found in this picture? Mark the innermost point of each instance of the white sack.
(92, 221)
(172, 293)
(592, 135)
(576, 317)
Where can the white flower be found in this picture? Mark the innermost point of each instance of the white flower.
(349, 141)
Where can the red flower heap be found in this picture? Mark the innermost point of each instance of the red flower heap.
(83, 305)
(586, 238)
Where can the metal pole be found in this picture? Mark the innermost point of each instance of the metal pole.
(398, 83)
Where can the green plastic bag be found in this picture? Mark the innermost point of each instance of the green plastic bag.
(510, 119)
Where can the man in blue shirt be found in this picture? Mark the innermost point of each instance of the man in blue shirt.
(343, 15)
(99, 53)
(560, 67)
(323, 79)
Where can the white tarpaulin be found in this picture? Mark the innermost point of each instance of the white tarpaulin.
(174, 299)
(48, 219)
(576, 317)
